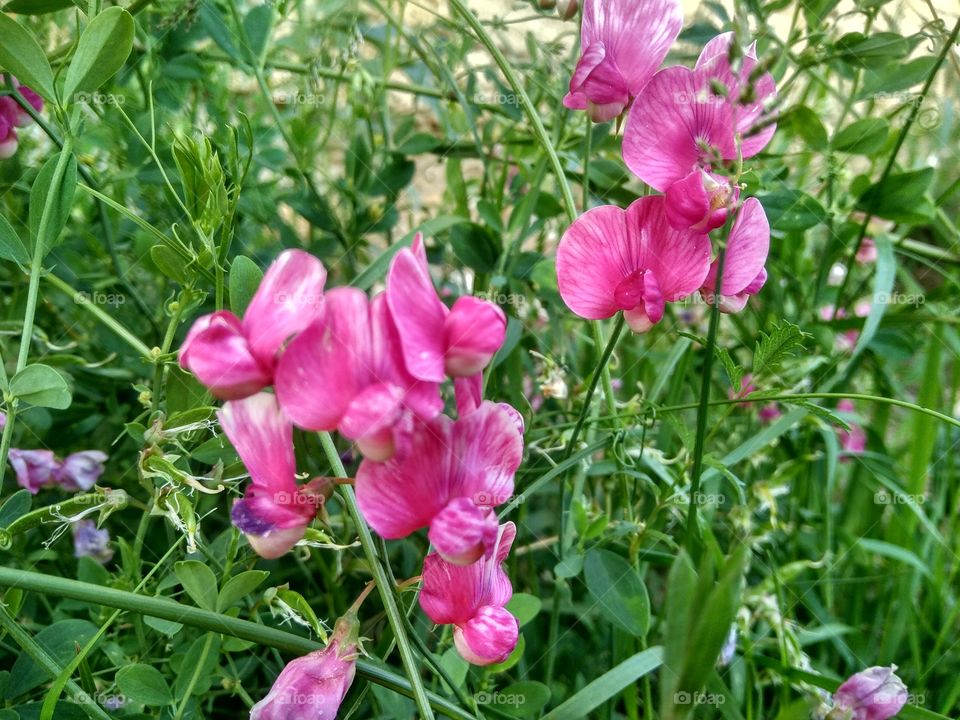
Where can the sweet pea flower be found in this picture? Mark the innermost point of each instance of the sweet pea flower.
(235, 358)
(89, 541)
(680, 124)
(632, 260)
(872, 694)
(437, 341)
(700, 201)
(453, 476)
(13, 116)
(743, 268)
(274, 512)
(34, 468)
(347, 372)
(312, 687)
(472, 598)
(854, 440)
(868, 251)
(80, 470)
(622, 43)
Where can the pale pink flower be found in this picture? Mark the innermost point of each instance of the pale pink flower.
(743, 268)
(632, 260)
(34, 468)
(437, 341)
(872, 694)
(472, 599)
(347, 372)
(854, 440)
(274, 512)
(622, 43)
(312, 687)
(80, 470)
(235, 358)
(449, 481)
(867, 252)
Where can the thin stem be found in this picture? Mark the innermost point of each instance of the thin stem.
(383, 584)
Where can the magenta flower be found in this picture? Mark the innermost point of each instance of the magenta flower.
(872, 694)
(700, 201)
(631, 260)
(89, 541)
(458, 342)
(679, 124)
(8, 133)
(80, 470)
(313, 686)
(868, 251)
(769, 412)
(743, 268)
(472, 598)
(854, 440)
(622, 43)
(453, 475)
(274, 512)
(235, 358)
(34, 468)
(346, 371)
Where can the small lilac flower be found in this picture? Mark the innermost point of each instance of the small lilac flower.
(872, 694)
(313, 686)
(34, 468)
(91, 541)
(80, 470)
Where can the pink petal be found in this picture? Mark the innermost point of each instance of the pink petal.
(747, 250)
(371, 416)
(699, 202)
(216, 351)
(474, 330)
(468, 392)
(672, 123)
(488, 637)
(289, 299)
(636, 35)
(458, 531)
(327, 365)
(418, 314)
(594, 256)
(488, 450)
(263, 438)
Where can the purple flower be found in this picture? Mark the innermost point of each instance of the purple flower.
(872, 694)
(90, 541)
(80, 470)
(34, 468)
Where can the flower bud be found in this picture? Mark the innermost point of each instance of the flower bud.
(872, 694)
(474, 331)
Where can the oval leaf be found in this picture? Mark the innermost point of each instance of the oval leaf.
(60, 199)
(24, 58)
(42, 386)
(618, 590)
(11, 246)
(144, 684)
(104, 47)
(199, 582)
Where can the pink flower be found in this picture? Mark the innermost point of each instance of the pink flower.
(769, 412)
(472, 598)
(346, 371)
(436, 341)
(854, 440)
(313, 686)
(80, 470)
(8, 133)
(34, 468)
(867, 252)
(235, 358)
(743, 268)
(746, 387)
(700, 201)
(680, 124)
(454, 473)
(631, 260)
(21, 118)
(274, 512)
(872, 694)
(622, 43)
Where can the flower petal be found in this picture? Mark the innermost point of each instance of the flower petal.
(418, 314)
(458, 531)
(217, 352)
(263, 438)
(474, 331)
(747, 250)
(488, 637)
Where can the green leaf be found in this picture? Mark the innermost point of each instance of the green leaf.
(805, 124)
(199, 665)
(522, 699)
(884, 85)
(901, 198)
(872, 50)
(144, 684)
(418, 144)
(608, 685)
(213, 22)
(257, 26)
(681, 584)
(863, 137)
(475, 246)
(41, 386)
(239, 586)
(785, 340)
(618, 590)
(36, 7)
(524, 607)
(170, 264)
(104, 47)
(60, 640)
(60, 197)
(296, 602)
(245, 277)
(734, 371)
(199, 582)
(11, 246)
(22, 56)
(792, 210)
(883, 281)
(15, 506)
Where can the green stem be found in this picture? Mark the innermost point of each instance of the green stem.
(167, 609)
(383, 583)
